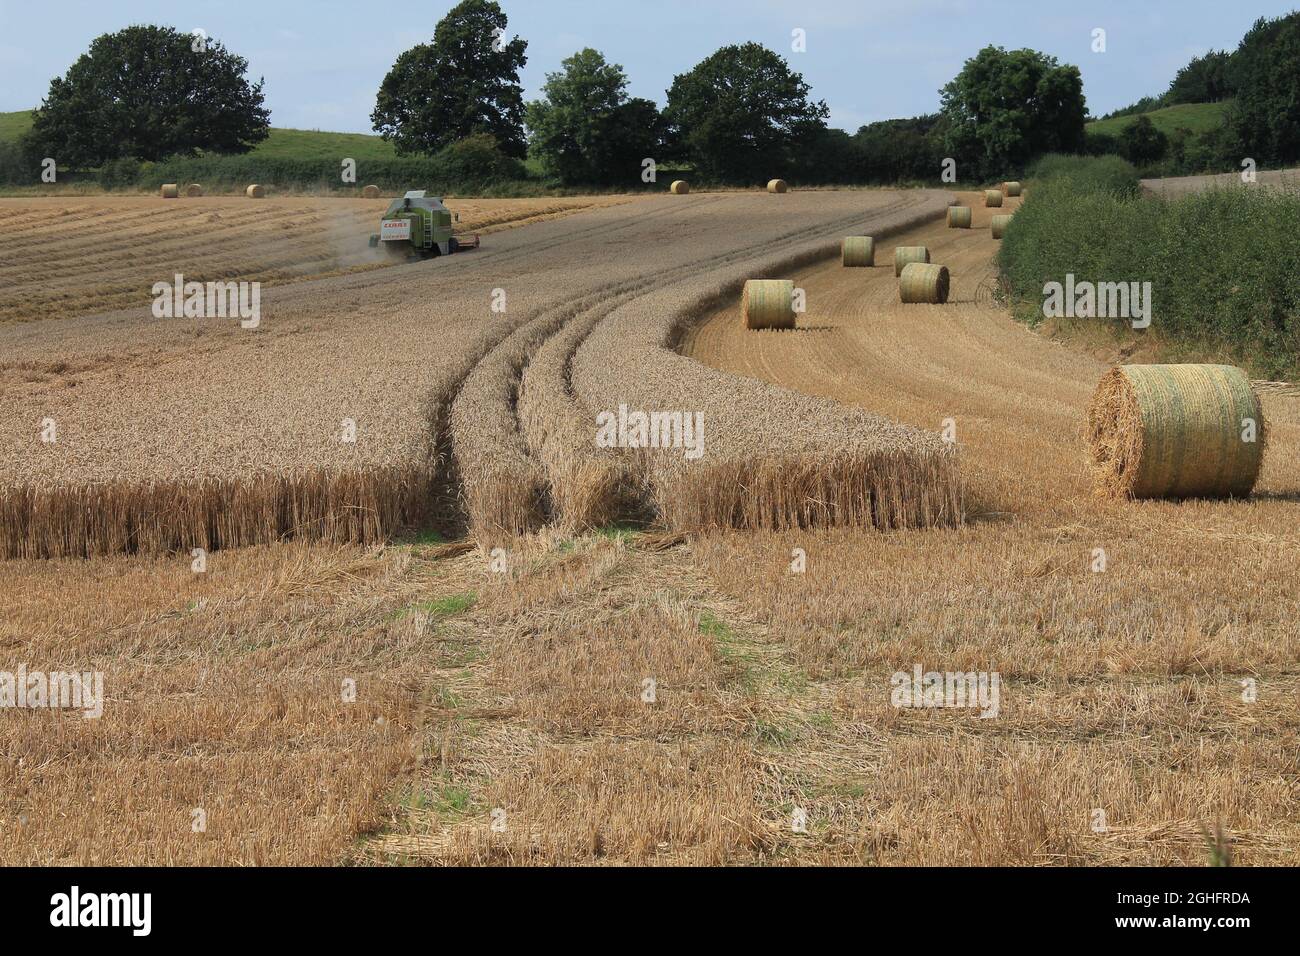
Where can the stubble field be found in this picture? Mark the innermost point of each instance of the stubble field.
(501, 712)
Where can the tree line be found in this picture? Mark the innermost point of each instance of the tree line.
(742, 115)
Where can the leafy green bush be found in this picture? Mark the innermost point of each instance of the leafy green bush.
(120, 173)
(1087, 173)
(1224, 264)
(476, 160)
(16, 168)
(1142, 144)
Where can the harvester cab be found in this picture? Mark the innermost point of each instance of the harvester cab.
(420, 226)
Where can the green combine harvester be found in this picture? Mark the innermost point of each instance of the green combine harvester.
(419, 227)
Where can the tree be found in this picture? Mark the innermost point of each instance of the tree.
(1203, 80)
(465, 82)
(1265, 72)
(741, 114)
(149, 92)
(902, 149)
(587, 130)
(1005, 108)
(1141, 143)
(829, 156)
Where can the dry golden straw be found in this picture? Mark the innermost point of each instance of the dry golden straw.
(992, 198)
(858, 251)
(777, 186)
(1176, 431)
(768, 304)
(923, 283)
(255, 191)
(358, 506)
(193, 190)
(680, 187)
(959, 217)
(370, 192)
(170, 191)
(1011, 188)
(998, 225)
(905, 254)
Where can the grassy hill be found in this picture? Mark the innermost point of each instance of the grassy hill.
(1198, 117)
(13, 125)
(300, 144)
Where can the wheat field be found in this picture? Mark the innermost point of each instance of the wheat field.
(594, 692)
(337, 417)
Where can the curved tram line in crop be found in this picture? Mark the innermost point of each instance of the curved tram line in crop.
(222, 441)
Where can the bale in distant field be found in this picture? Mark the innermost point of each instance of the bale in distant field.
(680, 187)
(905, 254)
(992, 198)
(768, 304)
(959, 217)
(255, 192)
(777, 186)
(370, 192)
(193, 190)
(170, 191)
(1011, 188)
(1176, 431)
(998, 226)
(858, 251)
(922, 282)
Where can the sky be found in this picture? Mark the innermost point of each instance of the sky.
(869, 60)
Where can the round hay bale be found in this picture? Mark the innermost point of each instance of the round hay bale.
(1011, 188)
(992, 198)
(905, 254)
(856, 251)
(680, 187)
(959, 217)
(170, 190)
(998, 226)
(922, 282)
(255, 192)
(768, 304)
(777, 186)
(370, 192)
(1176, 431)
(193, 190)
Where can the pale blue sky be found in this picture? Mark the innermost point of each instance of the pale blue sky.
(869, 59)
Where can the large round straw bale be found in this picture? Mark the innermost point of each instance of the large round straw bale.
(1011, 188)
(905, 254)
(998, 226)
(255, 192)
(194, 190)
(858, 251)
(768, 304)
(992, 198)
(370, 192)
(922, 282)
(1176, 431)
(777, 186)
(959, 217)
(680, 187)
(170, 191)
